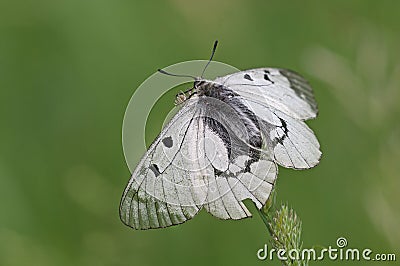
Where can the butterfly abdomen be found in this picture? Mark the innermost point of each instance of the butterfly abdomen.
(232, 101)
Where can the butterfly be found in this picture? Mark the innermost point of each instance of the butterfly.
(222, 147)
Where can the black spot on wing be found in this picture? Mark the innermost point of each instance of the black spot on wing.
(285, 132)
(247, 165)
(266, 77)
(247, 76)
(218, 172)
(168, 142)
(154, 169)
(284, 126)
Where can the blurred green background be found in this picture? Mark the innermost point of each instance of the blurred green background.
(69, 68)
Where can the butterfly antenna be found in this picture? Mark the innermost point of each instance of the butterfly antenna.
(212, 55)
(175, 75)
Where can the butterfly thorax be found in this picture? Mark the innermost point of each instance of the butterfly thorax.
(209, 88)
(201, 87)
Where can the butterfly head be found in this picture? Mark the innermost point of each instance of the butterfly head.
(182, 96)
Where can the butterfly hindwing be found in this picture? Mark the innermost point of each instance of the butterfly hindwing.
(293, 142)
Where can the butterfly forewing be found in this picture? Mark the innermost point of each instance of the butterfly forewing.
(281, 89)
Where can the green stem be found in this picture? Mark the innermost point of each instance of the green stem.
(284, 226)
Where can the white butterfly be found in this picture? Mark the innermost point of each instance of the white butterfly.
(222, 147)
